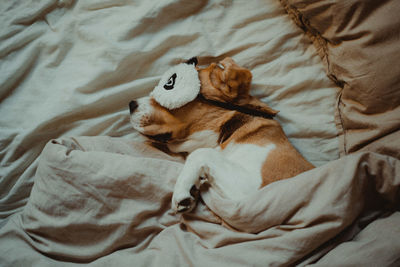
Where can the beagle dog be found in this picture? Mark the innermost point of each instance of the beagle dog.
(230, 138)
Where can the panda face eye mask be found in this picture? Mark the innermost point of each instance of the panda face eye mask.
(178, 86)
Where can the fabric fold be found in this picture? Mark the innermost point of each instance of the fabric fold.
(95, 195)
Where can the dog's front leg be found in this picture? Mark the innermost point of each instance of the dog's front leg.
(207, 165)
(190, 179)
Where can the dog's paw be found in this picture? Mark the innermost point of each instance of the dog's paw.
(185, 201)
(184, 205)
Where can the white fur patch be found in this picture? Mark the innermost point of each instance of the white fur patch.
(251, 158)
(235, 172)
(206, 138)
(142, 113)
(177, 87)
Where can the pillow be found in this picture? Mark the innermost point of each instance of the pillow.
(359, 43)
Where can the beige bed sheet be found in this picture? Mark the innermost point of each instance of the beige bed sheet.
(70, 68)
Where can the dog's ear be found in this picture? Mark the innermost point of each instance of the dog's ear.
(226, 81)
(235, 80)
(230, 83)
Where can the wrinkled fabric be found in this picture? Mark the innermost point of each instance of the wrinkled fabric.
(359, 42)
(70, 68)
(98, 200)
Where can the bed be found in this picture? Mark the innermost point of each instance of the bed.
(78, 186)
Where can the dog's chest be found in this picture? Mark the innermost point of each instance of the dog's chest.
(249, 156)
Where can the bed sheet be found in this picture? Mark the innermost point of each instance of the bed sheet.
(70, 68)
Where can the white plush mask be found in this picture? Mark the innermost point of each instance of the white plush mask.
(177, 87)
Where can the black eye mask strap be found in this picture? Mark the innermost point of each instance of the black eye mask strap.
(192, 61)
(229, 106)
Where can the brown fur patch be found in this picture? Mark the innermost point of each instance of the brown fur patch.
(282, 162)
(231, 125)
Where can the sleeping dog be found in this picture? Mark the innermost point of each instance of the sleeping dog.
(230, 137)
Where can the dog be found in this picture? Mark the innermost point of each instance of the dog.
(231, 139)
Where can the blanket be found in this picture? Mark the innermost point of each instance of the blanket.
(78, 186)
(100, 200)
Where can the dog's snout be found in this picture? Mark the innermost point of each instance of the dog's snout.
(133, 106)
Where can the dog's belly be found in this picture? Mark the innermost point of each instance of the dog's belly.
(251, 158)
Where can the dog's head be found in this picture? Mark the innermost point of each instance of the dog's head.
(190, 107)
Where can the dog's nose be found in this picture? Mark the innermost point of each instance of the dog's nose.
(133, 106)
